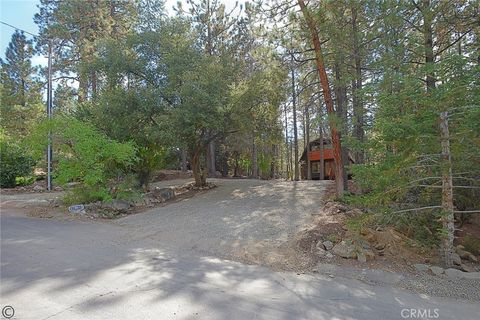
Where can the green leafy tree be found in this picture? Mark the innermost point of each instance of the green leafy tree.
(85, 156)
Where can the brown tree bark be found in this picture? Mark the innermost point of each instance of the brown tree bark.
(357, 83)
(211, 159)
(198, 173)
(447, 191)
(337, 148)
(341, 111)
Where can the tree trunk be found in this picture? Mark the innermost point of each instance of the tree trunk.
(184, 160)
(235, 168)
(198, 174)
(337, 152)
(93, 79)
(341, 97)
(357, 101)
(295, 130)
(428, 41)
(307, 142)
(211, 159)
(254, 159)
(291, 161)
(446, 160)
(287, 153)
(82, 88)
(447, 191)
(321, 147)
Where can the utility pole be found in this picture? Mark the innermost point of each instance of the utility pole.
(49, 115)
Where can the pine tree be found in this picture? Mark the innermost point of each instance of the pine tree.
(20, 89)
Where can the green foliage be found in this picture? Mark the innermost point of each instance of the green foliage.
(25, 181)
(264, 165)
(85, 156)
(14, 163)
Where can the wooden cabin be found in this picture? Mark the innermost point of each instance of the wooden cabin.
(313, 152)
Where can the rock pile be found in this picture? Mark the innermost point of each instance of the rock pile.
(450, 273)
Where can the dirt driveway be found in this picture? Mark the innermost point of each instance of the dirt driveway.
(240, 219)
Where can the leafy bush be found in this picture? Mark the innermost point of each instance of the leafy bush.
(14, 162)
(86, 156)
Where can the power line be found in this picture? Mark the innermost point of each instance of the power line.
(25, 31)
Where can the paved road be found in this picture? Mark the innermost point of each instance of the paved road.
(54, 269)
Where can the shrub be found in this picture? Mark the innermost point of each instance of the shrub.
(87, 156)
(14, 162)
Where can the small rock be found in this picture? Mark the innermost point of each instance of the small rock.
(329, 255)
(354, 213)
(320, 249)
(369, 254)
(466, 268)
(361, 257)
(421, 267)
(38, 188)
(328, 245)
(380, 246)
(460, 247)
(77, 209)
(55, 203)
(345, 250)
(436, 270)
(164, 193)
(57, 188)
(456, 259)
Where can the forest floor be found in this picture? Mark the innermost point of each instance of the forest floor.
(268, 223)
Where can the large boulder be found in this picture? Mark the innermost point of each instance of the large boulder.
(345, 249)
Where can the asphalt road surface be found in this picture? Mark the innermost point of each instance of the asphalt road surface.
(164, 264)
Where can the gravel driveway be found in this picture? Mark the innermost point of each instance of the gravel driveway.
(237, 215)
